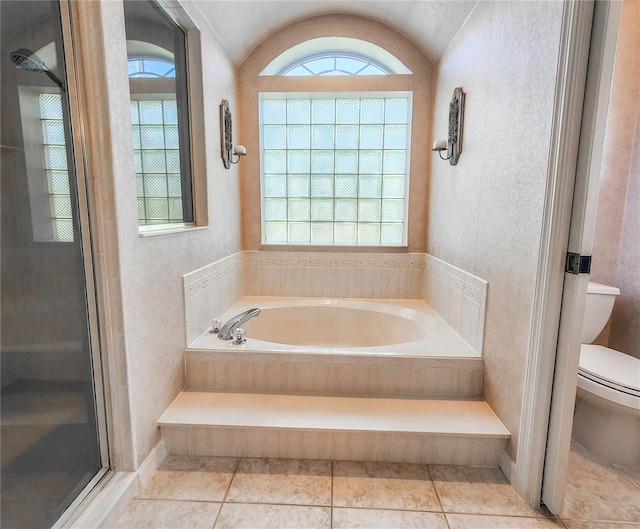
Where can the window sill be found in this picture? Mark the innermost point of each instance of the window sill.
(165, 229)
(335, 249)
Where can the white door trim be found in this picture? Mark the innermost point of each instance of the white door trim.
(594, 119)
(541, 355)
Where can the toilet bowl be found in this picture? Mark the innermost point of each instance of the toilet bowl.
(607, 414)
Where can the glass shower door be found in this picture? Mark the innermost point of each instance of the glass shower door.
(51, 440)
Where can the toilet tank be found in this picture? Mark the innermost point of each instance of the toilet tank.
(598, 307)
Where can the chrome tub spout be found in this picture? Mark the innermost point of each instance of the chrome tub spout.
(226, 332)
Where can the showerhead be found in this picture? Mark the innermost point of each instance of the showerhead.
(28, 60)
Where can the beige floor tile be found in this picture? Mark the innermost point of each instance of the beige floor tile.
(597, 491)
(200, 463)
(482, 521)
(477, 490)
(383, 486)
(632, 473)
(162, 514)
(252, 516)
(288, 481)
(191, 478)
(381, 519)
(577, 524)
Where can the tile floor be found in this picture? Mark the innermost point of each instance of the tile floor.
(229, 493)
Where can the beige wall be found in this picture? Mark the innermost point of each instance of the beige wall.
(250, 84)
(615, 245)
(484, 214)
(151, 268)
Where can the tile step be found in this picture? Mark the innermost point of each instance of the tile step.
(435, 431)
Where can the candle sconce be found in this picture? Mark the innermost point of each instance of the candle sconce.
(453, 145)
(228, 151)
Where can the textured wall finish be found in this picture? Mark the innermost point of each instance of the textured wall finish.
(618, 148)
(485, 213)
(151, 267)
(251, 84)
(625, 321)
(616, 252)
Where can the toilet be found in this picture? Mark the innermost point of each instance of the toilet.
(607, 414)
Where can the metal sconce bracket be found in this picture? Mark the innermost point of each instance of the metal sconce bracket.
(226, 137)
(453, 145)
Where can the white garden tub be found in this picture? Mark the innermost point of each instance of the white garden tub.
(341, 326)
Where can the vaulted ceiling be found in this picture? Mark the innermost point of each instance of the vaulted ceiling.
(242, 25)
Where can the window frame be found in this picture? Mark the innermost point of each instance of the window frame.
(351, 94)
(195, 131)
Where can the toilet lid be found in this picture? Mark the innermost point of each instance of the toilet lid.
(610, 367)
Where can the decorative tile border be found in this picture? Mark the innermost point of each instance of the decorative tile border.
(350, 275)
(413, 261)
(210, 279)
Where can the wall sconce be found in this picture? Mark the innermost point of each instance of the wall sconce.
(228, 151)
(453, 145)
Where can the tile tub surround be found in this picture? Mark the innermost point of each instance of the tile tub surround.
(334, 274)
(457, 296)
(211, 290)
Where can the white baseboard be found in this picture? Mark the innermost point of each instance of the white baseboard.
(106, 508)
(507, 466)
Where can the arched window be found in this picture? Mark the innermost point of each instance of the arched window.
(151, 67)
(335, 56)
(335, 165)
(335, 64)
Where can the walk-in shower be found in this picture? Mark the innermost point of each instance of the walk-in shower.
(53, 441)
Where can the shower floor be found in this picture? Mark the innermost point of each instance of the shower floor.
(38, 418)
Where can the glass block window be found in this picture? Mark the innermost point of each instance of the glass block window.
(335, 169)
(157, 161)
(335, 64)
(55, 164)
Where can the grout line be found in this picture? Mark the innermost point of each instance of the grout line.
(331, 497)
(226, 493)
(435, 489)
(384, 508)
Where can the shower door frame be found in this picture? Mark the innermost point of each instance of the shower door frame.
(77, 114)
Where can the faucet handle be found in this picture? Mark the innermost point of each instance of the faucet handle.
(239, 336)
(215, 326)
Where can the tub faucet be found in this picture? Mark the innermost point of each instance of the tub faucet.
(226, 332)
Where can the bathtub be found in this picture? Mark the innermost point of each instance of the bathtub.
(342, 326)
